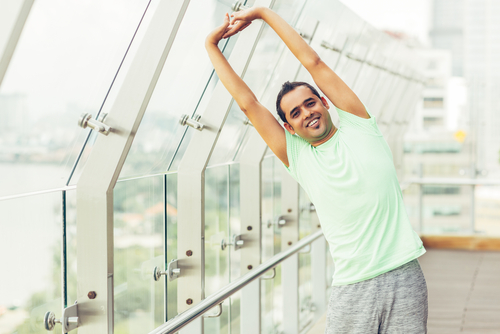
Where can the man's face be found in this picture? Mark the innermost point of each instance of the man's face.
(307, 115)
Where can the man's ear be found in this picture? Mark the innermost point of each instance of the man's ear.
(289, 128)
(325, 103)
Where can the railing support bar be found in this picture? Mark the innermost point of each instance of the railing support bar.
(190, 315)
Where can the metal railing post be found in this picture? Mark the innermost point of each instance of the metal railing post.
(318, 272)
(290, 267)
(251, 227)
(13, 15)
(473, 209)
(187, 317)
(420, 201)
(191, 180)
(95, 239)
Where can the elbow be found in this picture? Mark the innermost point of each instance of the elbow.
(248, 104)
(313, 62)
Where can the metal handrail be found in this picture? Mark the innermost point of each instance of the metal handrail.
(184, 318)
(452, 181)
(473, 182)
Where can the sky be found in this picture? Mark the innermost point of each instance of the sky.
(409, 16)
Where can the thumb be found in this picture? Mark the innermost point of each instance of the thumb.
(235, 17)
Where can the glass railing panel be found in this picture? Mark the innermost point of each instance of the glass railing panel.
(278, 170)
(63, 66)
(379, 96)
(367, 79)
(30, 244)
(368, 47)
(138, 248)
(306, 307)
(271, 293)
(217, 257)
(330, 270)
(267, 305)
(487, 210)
(445, 208)
(234, 218)
(411, 199)
(305, 207)
(234, 313)
(71, 256)
(305, 287)
(231, 136)
(185, 86)
(170, 181)
(258, 77)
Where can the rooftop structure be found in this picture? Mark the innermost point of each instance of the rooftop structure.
(165, 209)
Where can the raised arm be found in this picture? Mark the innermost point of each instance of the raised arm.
(325, 78)
(262, 119)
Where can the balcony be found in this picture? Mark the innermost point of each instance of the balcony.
(165, 204)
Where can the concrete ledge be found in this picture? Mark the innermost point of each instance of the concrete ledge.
(467, 242)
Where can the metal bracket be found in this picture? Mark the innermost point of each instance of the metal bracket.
(86, 120)
(247, 122)
(69, 319)
(308, 207)
(192, 122)
(216, 315)
(173, 271)
(329, 46)
(280, 222)
(270, 277)
(304, 35)
(237, 242)
(239, 5)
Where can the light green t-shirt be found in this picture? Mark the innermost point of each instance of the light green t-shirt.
(352, 182)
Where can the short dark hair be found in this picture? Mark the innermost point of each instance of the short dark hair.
(288, 87)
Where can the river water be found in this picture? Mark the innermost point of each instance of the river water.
(30, 231)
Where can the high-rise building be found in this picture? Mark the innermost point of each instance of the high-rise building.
(470, 29)
(482, 70)
(447, 31)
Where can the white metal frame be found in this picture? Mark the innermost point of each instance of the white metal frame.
(191, 180)
(96, 184)
(251, 179)
(290, 268)
(13, 16)
(251, 227)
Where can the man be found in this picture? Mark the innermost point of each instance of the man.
(348, 173)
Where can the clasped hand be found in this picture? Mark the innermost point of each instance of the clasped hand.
(234, 24)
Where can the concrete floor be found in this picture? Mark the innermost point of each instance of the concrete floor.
(464, 292)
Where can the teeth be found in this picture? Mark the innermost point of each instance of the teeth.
(313, 123)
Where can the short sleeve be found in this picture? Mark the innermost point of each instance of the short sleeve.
(294, 144)
(365, 125)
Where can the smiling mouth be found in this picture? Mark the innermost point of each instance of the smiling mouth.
(314, 122)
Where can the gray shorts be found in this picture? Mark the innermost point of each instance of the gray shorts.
(394, 302)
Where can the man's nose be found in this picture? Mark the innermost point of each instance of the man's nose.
(306, 113)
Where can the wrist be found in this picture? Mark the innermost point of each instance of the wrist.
(210, 42)
(262, 12)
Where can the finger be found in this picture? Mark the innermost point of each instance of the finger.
(245, 26)
(234, 29)
(235, 17)
(225, 22)
(233, 32)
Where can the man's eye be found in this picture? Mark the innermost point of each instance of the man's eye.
(310, 104)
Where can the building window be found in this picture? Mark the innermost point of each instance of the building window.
(441, 190)
(433, 102)
(433, 121)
